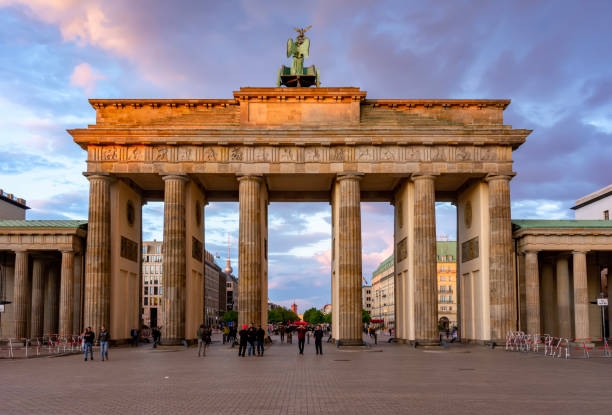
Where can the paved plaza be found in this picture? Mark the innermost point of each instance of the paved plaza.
(390, 378)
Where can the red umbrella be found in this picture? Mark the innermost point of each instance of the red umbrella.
(299, 323)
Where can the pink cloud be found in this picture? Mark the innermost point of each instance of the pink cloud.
(85, 77)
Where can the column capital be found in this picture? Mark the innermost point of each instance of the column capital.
(254, 177)
(492, 177)
(349, 176)
(580, 251)
(530, 251)
(174, 176)
(20, 250)
(67, 251)
(98, 176)
(416, 177)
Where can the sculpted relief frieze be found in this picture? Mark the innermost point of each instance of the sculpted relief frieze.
(297, 154)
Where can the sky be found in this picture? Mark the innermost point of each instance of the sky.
(553, 59)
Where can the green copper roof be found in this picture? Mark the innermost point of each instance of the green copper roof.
(10, 223)
(386, 264)
(445, 249)
(560, 224)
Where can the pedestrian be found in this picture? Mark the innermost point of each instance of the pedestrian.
(243, 341)
(156, 334)
(289, 335)
(318, 336)
(207, 338)
(281, 330)
(373, 334)
(252, 337)
(103, 338)
(454, 335)
(308, 335)
(134, 334)
(301, 338)
(88, 338)
(226, 333)
(260, 337)
(201, 340)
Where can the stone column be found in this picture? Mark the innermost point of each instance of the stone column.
(50, 322)
(532, 291)
(67, 294)
(38, 298)
(548, 298)
(425, 260)
(563, 298)
(174, 280)
(349, 261)
(21, 295)
(250, 250)
(78, 294)
(98, 259)
(501, 272)
(581, 300)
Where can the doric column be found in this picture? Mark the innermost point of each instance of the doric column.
(349, 260)
(250, 250)
(21, 295)
(174, 281)
(501, 278)
(532, 289)
(548, 298)
(563, 298)
(67, 294)
(38, 298)
(425, 258)
(78, 294)
(97, 262)
(50, 322)
(581, 300)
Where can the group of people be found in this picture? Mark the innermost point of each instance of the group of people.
(253, 337)
(89, 338)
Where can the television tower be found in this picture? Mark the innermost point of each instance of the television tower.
(228, 267)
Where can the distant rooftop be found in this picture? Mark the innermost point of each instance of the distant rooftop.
(593, 197)
(11, 223)
(12, 199)
(559, 224)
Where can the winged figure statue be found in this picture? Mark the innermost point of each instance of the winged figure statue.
(297, 74)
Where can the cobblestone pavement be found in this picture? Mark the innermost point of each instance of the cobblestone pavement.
(387, 379)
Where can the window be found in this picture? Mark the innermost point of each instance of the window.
(146, 301)
(160, 290)
(450, 298)
(450, 308)
(443, 298)
(442, 278)
(606, 215)
(443, 308)
(144, 249)
(158, 249)
(154, 290)
(146, 290)
(154, 300)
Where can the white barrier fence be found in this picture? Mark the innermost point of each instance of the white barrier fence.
(40, 346)
(559, 347)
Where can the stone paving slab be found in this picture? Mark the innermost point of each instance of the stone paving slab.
(396, 379)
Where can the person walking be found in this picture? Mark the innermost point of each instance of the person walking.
(226, 333)
(202, 338)
(103, 338)
(243, 341)
(252, 337)
(373, 334)
(318, 336)
(281, 330)
(260, 337)
(156, 336)
(88, 339)
(134, 334)
(301, 338)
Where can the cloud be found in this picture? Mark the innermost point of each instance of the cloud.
(84, 76)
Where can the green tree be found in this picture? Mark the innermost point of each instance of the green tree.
(230, 316)
(365, 316)
(313, 316)
(281, 315)
(327, 318)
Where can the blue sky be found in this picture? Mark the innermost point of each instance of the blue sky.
(552, 58)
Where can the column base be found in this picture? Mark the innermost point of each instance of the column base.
(425, 342)
(175, 342)
(350, 342)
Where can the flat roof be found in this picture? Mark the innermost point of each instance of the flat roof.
(559, 224)
(593, 197)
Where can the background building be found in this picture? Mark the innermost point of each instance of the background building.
(366, 298)
(213, 290)
(447, 282)
(294, 308)
(231, 292)
(12, 207)
(152, 283)
(594, 206)
(327, 308)
(383, 293)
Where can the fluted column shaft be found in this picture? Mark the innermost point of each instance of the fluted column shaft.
(50, 322)
(581, 299)
(38, 298)
(501, 279)
(250, 250)
(425, 259)
(98, 261)
(548, 298)
(66, 293)
(349, 260)
(21, 295)
(563, 298)
(532, 289)
(174, 280)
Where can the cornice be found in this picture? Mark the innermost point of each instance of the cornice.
(501, 104)
(157, 103)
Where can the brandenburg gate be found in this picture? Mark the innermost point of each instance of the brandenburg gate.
(300, 144)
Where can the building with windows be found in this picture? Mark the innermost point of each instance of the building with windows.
(383, 293)
(366, 298)
(214, 291)
(152, 283)
(231, 292)
(447, 282)
(594, 206)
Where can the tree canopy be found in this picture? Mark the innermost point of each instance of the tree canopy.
(365, 316)
(314, 316)
(281, 315)
(230, 316)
